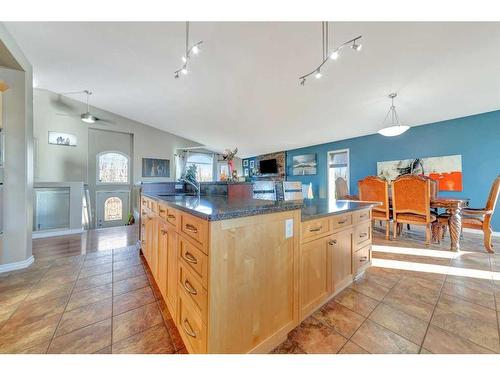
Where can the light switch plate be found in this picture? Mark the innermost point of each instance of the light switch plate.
(288, 228)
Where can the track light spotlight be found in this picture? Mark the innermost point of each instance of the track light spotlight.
(184, 71)
(318, 74)
(334, 55)
(184, 59)
(356, 47)
(195, 49)
(176, 75)
(303, 81)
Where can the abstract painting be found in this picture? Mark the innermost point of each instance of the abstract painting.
(62, 139)
(303, 165)
(446, 170)
(155, 167)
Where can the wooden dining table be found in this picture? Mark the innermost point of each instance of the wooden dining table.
(453, 206)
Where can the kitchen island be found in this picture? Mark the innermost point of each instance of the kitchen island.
(238, 274)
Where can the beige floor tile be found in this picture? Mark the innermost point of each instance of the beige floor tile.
(128, 273)
(132, 300)
(400, 323)
(370, 289)
(135, 321)
(378, 340)
(84, 316)
(439, 341)
(288, 347)
(19, 338)
(411, 306)
(89, 296)
(84, 340)
(352, 348)
(356, 302)
(93, 282)
(407, 287)
(128, 285)
(315, 338)
(96, 270)
(155, 340)
(339, 317)
(485, 299)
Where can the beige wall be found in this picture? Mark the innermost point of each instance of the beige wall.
(18, 168)
(57, 163)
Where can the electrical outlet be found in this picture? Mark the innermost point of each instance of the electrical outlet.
(288, 228)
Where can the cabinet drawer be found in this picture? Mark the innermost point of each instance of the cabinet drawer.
(362, 235)
(315, 228)
(191, 326)
(341, 221)
(196, 229)
(193, 289)
(361, 216)
(361, 259)
(173, 216)
(194, 259)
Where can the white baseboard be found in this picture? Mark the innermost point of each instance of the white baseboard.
(479, 231)
(17, 265)
(56, 233)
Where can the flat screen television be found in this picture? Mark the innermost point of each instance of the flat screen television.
(269, 166)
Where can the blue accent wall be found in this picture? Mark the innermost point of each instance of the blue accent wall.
(476, 138)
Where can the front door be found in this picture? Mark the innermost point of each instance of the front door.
(112, 208)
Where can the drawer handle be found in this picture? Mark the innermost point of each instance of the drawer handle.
(162, 211)
(163, 231)
(316, 229)
(332, 242)
(188, 257)
(342, 222)
(186, 327)
(143, 242)
(363, 259)
(362, 235)
(363, 215)
(144, 213)
(171, 216)
(189, 288)
(191, 228)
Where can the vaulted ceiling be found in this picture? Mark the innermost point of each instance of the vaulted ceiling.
(243, 89)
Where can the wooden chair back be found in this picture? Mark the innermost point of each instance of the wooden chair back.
(411, 194)
(375, 189)
(341, 189)
(493, 197)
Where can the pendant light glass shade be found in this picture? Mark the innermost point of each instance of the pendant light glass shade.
(394, 128)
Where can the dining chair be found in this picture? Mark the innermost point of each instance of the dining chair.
(475, 218)
(411, 197)
(376, 189)
(341, 189)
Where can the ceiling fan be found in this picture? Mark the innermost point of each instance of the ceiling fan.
(86, 117)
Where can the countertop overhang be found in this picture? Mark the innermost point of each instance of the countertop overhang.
(217, 207)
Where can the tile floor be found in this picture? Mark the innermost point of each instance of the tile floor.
(412, 300)
(90, 293)
(93, 293)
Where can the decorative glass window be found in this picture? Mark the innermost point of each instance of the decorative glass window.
(113, 209)
(112, 168)
(204, 165)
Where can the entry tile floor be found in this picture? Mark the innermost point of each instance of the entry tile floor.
(91, 293)
(412, 300)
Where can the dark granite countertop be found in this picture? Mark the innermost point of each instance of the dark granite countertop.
(315, 208)
(218, 207)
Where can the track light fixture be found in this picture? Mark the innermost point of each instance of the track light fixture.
(333, 55)
(193, 50)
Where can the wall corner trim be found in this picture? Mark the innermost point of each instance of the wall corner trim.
(17, 265)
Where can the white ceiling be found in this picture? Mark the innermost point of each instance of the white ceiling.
(243, 91)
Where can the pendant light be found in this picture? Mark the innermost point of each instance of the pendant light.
(394, 128)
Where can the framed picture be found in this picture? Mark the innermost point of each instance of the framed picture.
(62, 139)
(155, 167)
(252, 164)
(303, 165)
(245, 163)
(245, 172)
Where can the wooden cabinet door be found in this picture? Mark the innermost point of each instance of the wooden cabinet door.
(341, 244)
(163, 249)
(315, 275)
(171, 287)
(148, 238)
(153, 253)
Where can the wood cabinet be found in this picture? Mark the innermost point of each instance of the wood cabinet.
(241, 285)
(316, 267)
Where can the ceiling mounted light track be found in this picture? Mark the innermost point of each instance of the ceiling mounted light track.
(190, 51)
(393, 128)
(327, 55)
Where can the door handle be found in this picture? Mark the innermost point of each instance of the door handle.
(332, 242)
(189, 288)
(188, 257)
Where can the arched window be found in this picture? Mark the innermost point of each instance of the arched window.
(112, 168)
(204, 165)
(113, 209)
